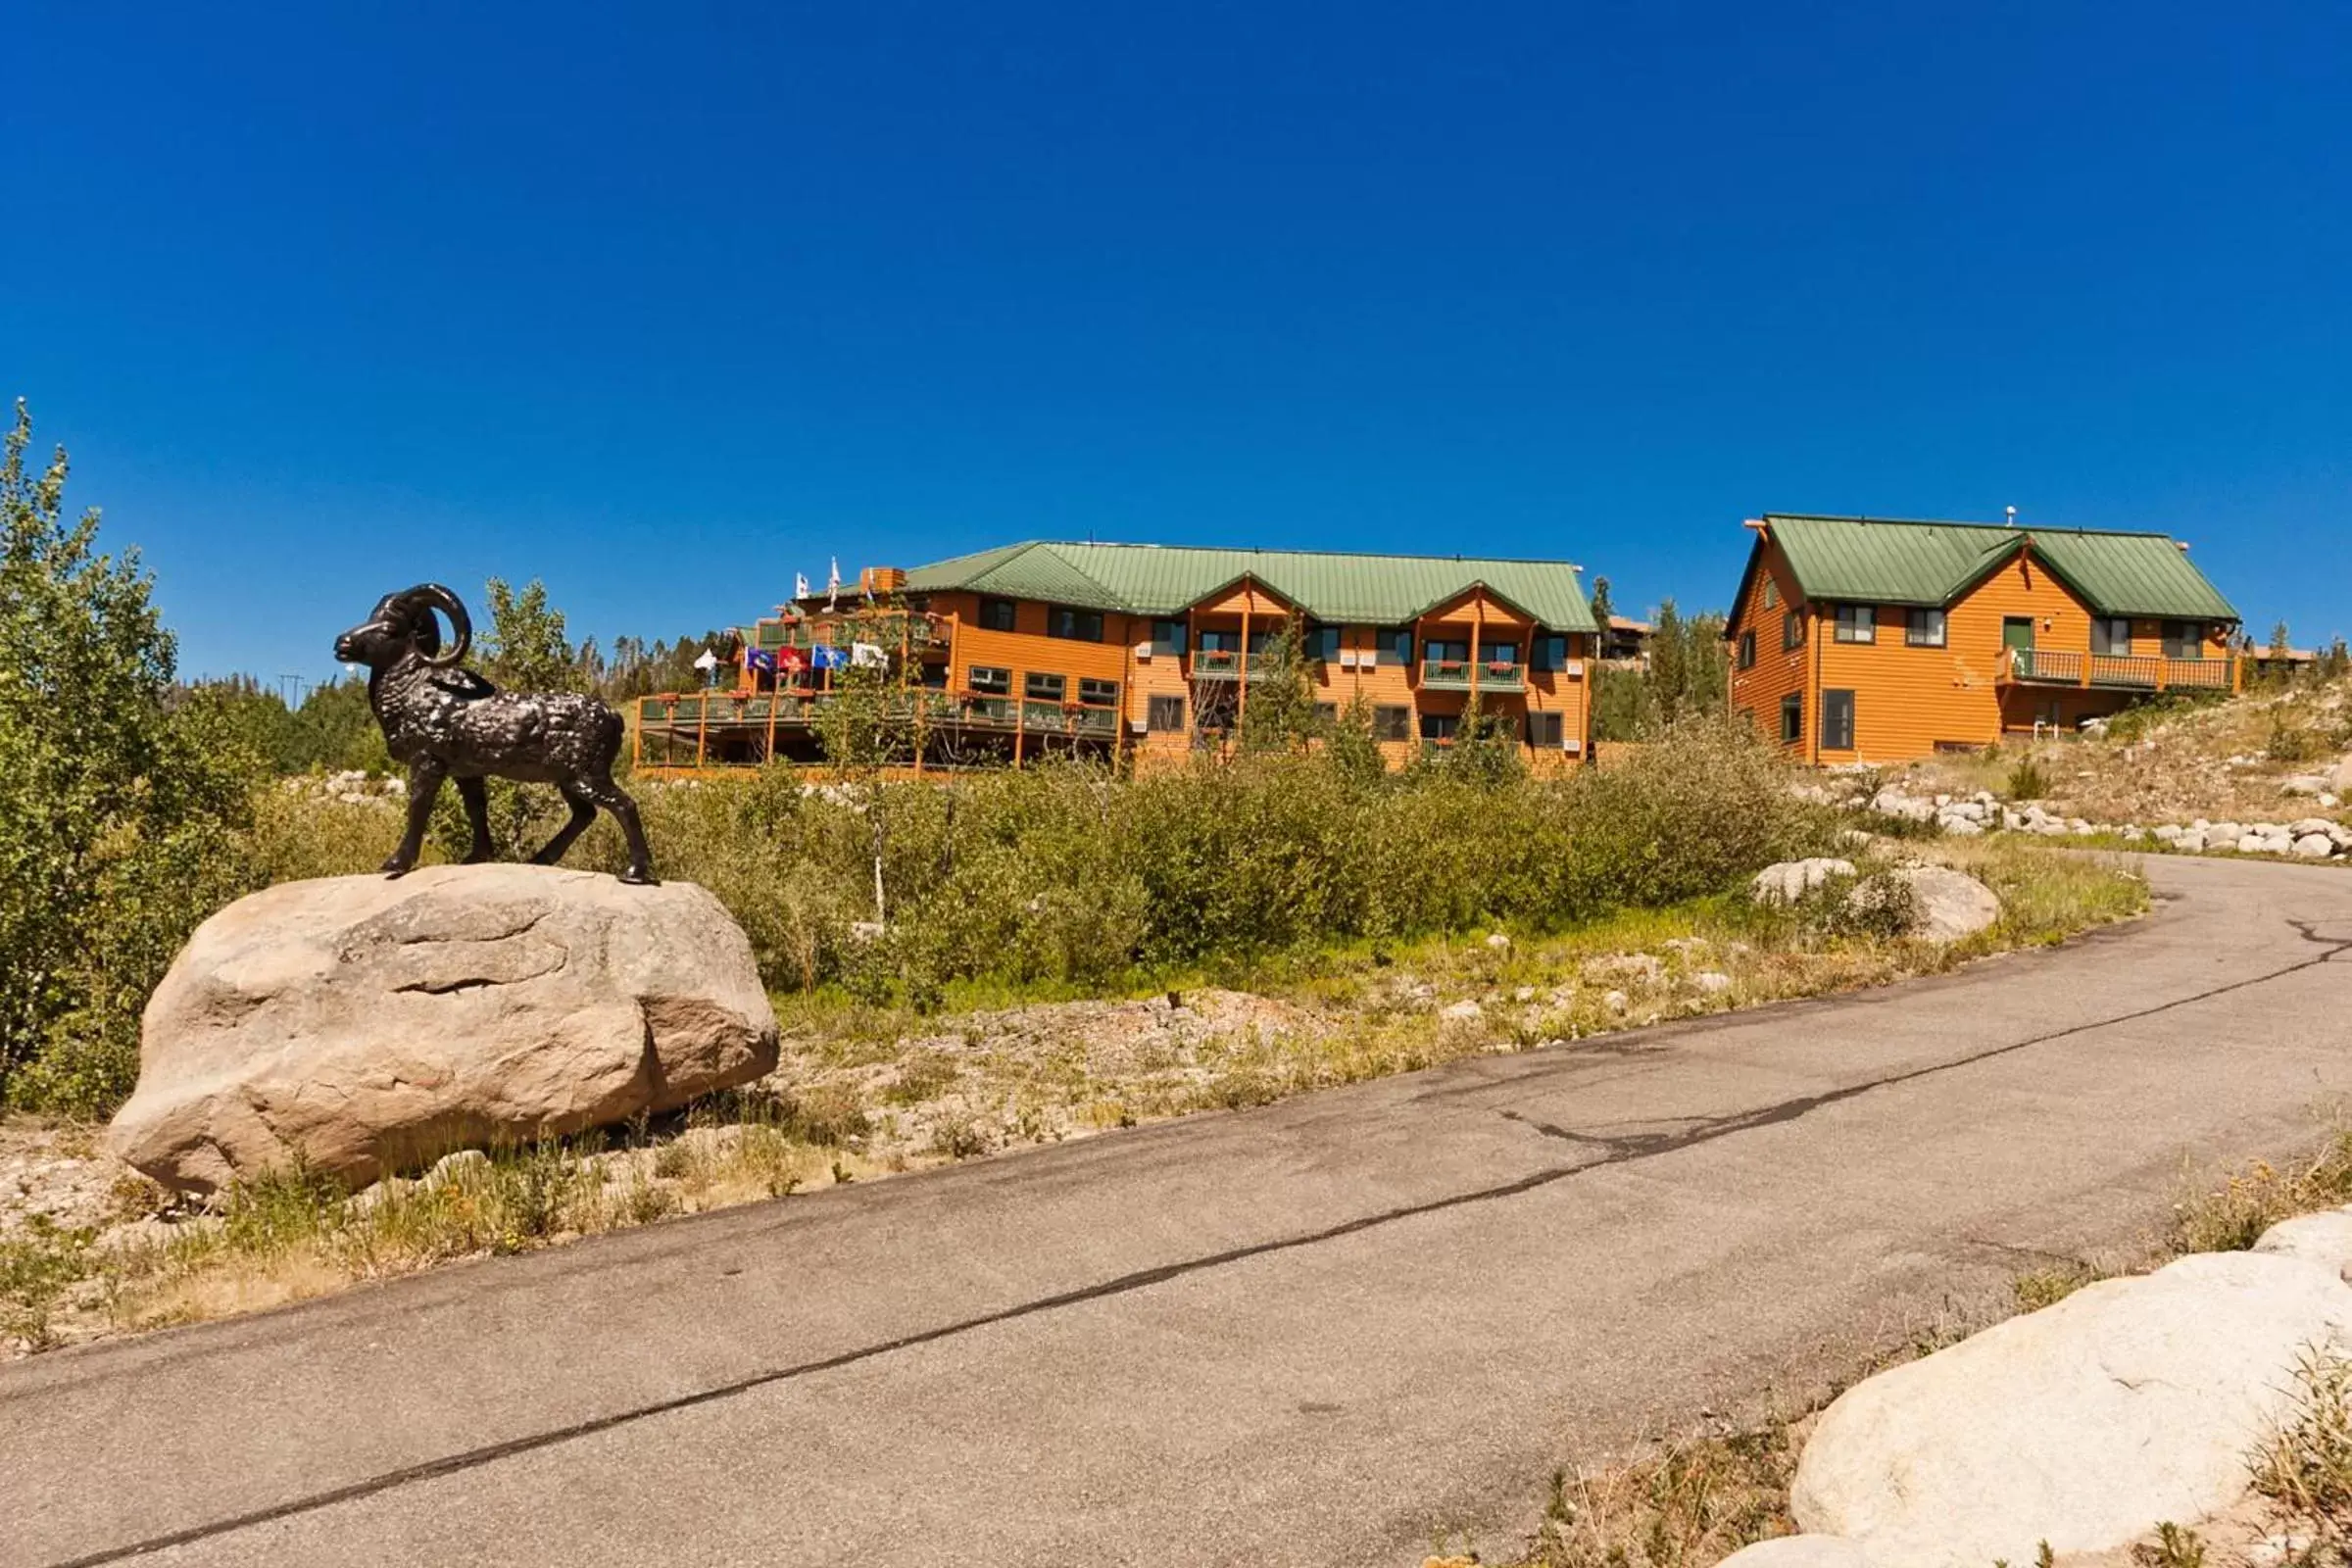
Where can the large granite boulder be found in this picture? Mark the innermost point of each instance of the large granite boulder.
(1946, 906)
(364, 1025)
(2130, 1403)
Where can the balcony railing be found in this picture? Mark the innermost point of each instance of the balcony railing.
(1225, 664)
(712, 710)
(2059, 666)
(1488, 674)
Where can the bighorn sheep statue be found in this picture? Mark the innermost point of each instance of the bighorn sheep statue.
(443, 722)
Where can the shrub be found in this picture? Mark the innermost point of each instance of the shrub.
(2028, 781)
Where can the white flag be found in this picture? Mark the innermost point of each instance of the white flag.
(833, 583)
(800, 586)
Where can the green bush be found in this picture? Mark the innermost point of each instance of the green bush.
(122, 797)
(2028, 781)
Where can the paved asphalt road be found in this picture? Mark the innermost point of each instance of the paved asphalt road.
(1331, 1331)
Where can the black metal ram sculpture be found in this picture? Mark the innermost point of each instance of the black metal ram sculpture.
(448, 723)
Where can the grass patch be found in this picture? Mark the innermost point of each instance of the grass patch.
(2305, 1467)
(2232, 1217)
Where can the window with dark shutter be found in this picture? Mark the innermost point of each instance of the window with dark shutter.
(1040, 688)
(1792, 720)
(1098, 693)
(1167, 637)
(1166, 714)
(1748, 650)
(996, 615)
(1543, 732)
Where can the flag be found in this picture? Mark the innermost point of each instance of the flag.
(762, 660)
(833, 583)
(867, 655)
(800, 586)
(827, 659)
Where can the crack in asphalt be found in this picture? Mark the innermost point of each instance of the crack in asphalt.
(1614, 1152)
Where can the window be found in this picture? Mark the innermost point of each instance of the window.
(1792, 720)
(1771, 591)
(1098, 693)
(1165, 715)
(1925, 629)
(2183, 639)
(1549, 652)
(996, 615)
(1323, 642)
(1392, 723)
(1395, 647)
(1327, 715)
(935, 677)
(1492, 654)
(1075, 625)
(1857, 623)
(1543, 730)
(1792, 630)
(1437, 651)
(1440, 726)
(1167, 637)
(1221, 642)
(2110, 636)
(1836, 721)
(992, 682)
(1748, 650)
(1044, 688)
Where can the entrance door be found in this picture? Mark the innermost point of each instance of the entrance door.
(2017, 636)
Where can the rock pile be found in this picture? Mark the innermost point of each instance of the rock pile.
(2311, 838)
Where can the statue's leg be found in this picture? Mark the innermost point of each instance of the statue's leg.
(612, 797)
(424, 782)
(477, 795)
(583, 812)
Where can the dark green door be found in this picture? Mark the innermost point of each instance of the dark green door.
(2016, 631)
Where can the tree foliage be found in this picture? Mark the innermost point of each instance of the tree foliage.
(118, 792)
(1688, 675)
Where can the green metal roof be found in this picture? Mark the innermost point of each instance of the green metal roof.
(1886, 560)
(1167, 579)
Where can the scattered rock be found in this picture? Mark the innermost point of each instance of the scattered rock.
(1463, 1012)
(1714, 982)
(1615, 1001)
(1498, 941)
(365, 1024)
(2130, 1400)
(1790, 880)
(2315, 845)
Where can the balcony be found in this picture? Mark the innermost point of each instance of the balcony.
(2056, 667)
(1457, 674)
(1226, 663)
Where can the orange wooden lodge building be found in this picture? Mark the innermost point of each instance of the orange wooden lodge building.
(1146, 653)
(1873, 640)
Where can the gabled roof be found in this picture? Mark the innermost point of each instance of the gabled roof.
(1886, 560)
(1329, 587)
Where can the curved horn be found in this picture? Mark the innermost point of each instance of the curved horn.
(434, 596)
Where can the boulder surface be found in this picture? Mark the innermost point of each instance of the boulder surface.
(2130, 1403)
(1950, 905)
(363, 1025)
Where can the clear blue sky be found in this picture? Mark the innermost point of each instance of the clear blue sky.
(663, 303)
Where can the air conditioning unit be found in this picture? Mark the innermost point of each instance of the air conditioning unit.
(1143, 653)
(1574, 669)
(1139, 726)
(1572, 745)
(1346, 658)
